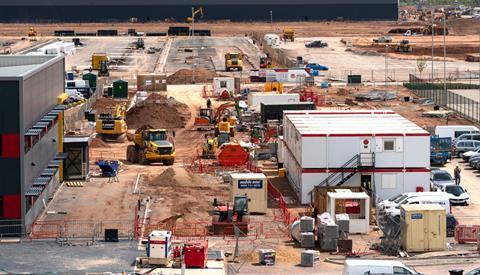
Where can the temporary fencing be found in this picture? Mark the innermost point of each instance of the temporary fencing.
(467, 233)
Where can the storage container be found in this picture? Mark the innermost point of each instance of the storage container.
(254, 185)
(255, 99)
(274, 111)
(159, 247)
(120, 89)
(309, 258)
(423, 227)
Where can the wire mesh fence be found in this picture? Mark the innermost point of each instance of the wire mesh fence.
(462, 98)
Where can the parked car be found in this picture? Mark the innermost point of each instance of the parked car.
(467, 155)
(439, 179)
(471, 136)
(451, 224)
(316, 66)
(442, 199)
(316, 44)
(383, 39)
(474, 162)
(360, 267)
(463, 146)
(458, 195)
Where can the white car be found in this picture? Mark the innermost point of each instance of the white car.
(467, 155)
(457, 194)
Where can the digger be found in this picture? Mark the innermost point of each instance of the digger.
(233, 61)
(112, 126)
(210, 147)
(151, 146)
(226, 215)
(206, 120)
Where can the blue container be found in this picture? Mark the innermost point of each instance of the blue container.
(70, 76)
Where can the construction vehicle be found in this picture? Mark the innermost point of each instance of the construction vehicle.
(383, 39)
(97, 59)
(233, 61)
(210, 147)
(151, 146)
(140, 44)
(104, 71)
(440, 150)
(404, 47)
(227, 215)
(194, 13)
(288, 34)
(276, 87)
(206, 120)
(32, 34)
(266, 61)
(112, 125)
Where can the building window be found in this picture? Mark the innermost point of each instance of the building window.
(223, 84)
(389, 145)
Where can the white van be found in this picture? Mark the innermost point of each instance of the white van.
(442, 199)
(399, 199)
(365, 267)
(454, 131)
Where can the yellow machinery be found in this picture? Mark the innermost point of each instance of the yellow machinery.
(98, 59)
(404, 47)
(210, 147)
(151, 146)
(276, 87)
(206, 119)
(233, 61)
(32, 34)
(112, 125)
(288, 34)
(194, 13)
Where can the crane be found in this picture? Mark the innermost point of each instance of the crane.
(194, 13)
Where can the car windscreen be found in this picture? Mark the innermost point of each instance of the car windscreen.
(455, 190)
(442, 177)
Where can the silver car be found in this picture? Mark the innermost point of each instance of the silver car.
(439, 179)
(463, 146)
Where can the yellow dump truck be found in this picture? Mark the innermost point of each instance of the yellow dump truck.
(151, 146)
(97, 59)
(288, 34)
(233, 61)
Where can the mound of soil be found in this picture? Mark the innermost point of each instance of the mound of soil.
(184, 76)
(159, 112)
(99, 143)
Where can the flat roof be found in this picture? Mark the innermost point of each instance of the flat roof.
(348, 195)
(353, 123)
(12, 66)
(248, 176)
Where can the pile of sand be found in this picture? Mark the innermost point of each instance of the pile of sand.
(99, 143)
(184, 76)
(159, 112)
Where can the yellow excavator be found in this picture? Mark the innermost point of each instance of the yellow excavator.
(210, 147)
(32, 34)
(151, 146)
(112, 125)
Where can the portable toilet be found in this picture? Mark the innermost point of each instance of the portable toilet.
(159, 247)
(92, 80)
(120, 89)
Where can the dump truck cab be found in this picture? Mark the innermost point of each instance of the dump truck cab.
(288, 34)
(151, 146)
(233, 61)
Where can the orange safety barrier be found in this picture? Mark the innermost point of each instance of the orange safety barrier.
(466, 233)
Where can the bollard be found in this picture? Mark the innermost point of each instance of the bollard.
(456, 272)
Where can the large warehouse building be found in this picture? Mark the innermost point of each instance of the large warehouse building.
(31, 131)
(237, 10)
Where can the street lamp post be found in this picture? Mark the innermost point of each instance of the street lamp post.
(386, 65)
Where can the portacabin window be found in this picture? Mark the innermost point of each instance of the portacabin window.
(389, 145)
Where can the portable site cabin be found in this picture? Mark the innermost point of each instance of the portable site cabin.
(375, 148)
(254, 186)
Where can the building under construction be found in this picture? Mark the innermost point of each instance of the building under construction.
(237, 10)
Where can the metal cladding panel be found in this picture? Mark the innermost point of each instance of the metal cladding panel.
(10, 170)
(40, 92)
(9, 107)
(417, 151)
(215, 10)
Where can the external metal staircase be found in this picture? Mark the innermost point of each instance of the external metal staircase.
(356, 164)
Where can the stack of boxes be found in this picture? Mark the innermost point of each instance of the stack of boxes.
(307, 235)
(344, 244)
(328, 233)
(309, 258)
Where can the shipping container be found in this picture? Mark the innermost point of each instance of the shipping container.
(64, 33)
(156, 34)
(378, 147)
(85, 34)
(274, 111)
(255, 99)
(254, 185)
(201, 32)
(354, 79)
(107, 32)
(179, 31)
(120, 89)
(423, 227)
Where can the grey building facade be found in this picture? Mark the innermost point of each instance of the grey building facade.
(30, 133)
(236, 10)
